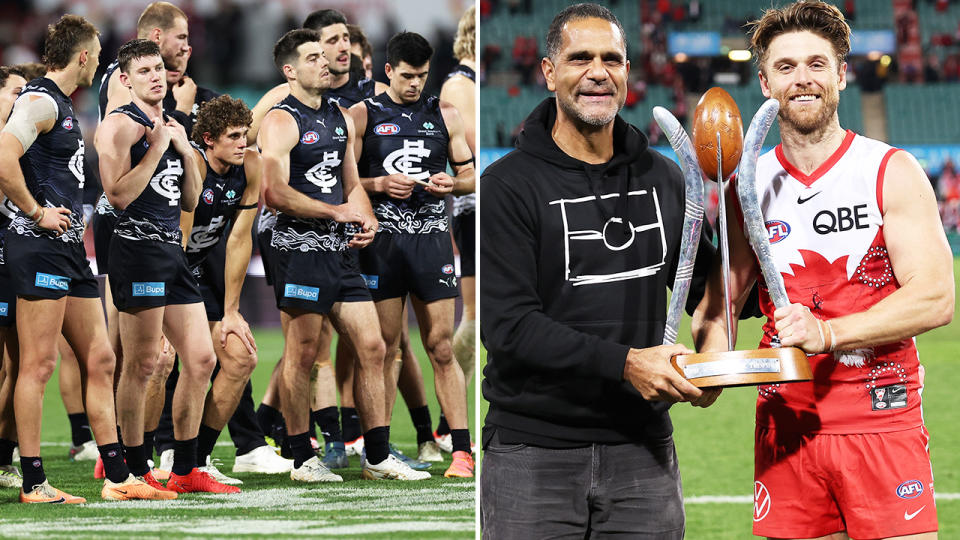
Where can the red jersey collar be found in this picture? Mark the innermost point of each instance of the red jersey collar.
(822, 169)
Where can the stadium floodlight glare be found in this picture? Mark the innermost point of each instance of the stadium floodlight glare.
(739, 55)
(885, 60)
(680, 57)
(873, 56)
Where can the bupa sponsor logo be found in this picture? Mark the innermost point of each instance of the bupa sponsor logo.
(149, 288)
(372, 282)
(447, 269)
(386, 129)
(208, 196)
(292, 290)
(67, 123)
(50, 281)
(310, 137)
(777, 230)
(911, 489)
(4, 309)
(761, 501)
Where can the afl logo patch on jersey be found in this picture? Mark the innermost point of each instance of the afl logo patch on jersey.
(386, 129)
(777, 230)
(208, 196)
(67, 123)
(310, 137)
(447, 269)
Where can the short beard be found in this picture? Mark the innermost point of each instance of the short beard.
(806, 126)
(596, 120)
(335, 71)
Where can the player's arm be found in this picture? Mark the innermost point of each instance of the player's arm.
(397, 185)
(458, 91)
(272, 97)
(279, 135)
(116, 134)
(460, 156)
(239, 247)
(186, 216)
(922, 265)
(192, 182)
(354, 193)
(709, 324)
(117, 93)
(32, 116)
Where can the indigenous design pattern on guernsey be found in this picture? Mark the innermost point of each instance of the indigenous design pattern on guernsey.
(267, 221)
(139, 229)
(25, 226)
(104, 208)
(422, 220)
(321, 235)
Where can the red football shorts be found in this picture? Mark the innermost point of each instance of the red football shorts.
(871, 485)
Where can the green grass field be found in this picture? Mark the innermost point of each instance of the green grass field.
(270, 505)
(715, 445)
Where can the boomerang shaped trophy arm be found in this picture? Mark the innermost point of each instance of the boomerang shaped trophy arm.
(692, 218)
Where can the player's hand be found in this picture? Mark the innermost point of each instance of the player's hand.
(440, 184)
(234, 323)
(797, 327)
(709, 396)
(178, 137)
(397, 186)
(185, 94)
(55, 219)
(368, 229)
(158, 136)
(346, 213)
(650, 372)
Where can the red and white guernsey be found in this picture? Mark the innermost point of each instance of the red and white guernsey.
(826, 238)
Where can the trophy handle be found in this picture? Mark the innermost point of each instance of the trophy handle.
(753, 222)
(692, 218)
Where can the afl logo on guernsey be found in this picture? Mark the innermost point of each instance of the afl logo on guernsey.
(208, 196)
(447, 269)
(777, 230)
(386, 129)
(310, 137)
(911, 489)
(67, 123)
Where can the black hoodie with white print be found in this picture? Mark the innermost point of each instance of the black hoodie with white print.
(575, 264)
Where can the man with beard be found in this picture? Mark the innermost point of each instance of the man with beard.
(408, 140)
(582, 228)
(866, 267)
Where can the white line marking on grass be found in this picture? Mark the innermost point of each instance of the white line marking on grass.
(329, 498)
(236, 525)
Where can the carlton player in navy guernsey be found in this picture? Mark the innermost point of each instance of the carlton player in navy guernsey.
(407, 141)
(149, 171)
(345, 89)
(41, 159)
(310, 177)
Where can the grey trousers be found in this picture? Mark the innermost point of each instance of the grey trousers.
(599, 491)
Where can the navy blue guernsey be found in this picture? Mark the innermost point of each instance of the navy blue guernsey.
(155, 213)
(354, 91)
(316, 170)
(53, 166)
(213, 217)
(104, 86)
(411, 140)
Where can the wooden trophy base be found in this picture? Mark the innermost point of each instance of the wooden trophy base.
(744, 368)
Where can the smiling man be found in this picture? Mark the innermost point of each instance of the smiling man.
(581, 230)
(867, 267)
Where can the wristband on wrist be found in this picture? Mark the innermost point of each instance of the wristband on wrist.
(833, 336)
(32, 213)
(39, 216)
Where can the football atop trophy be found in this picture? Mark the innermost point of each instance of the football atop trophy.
(717, 118)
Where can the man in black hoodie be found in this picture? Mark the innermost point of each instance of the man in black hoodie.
(581, 232)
